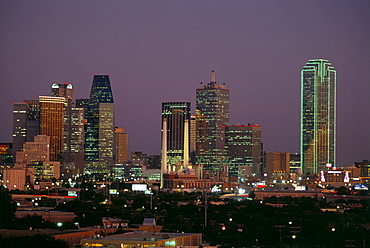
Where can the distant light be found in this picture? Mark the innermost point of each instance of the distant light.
(59, 224)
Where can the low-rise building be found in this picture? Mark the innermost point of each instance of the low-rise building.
(141, 239)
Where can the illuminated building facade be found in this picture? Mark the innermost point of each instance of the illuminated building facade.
(277, 165)
(20, 115)
(212, 114)
(66, 90)
(244, 150)
(178, 115)
(121, 144)
(77, 139)
(33, 119)
(63, 90)
(99, 135)
(52, 123)
(318, 116)
(37, 151)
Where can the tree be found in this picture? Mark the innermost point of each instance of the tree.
(7, 208)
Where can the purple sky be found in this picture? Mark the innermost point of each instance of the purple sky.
(159, 51)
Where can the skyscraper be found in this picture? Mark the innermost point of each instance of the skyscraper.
(52, 113)
(99, 136)
(212, 114)
(177, 115)
(66, 90)
(121, 145)
(20, 116)
(318, 116)
(244, 150)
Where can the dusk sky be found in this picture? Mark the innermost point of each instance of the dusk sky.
(156, 51)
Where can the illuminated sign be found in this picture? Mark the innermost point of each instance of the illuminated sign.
(139, 187)
(170, 243)
(300, 188)
(69, 86)
(55, 86)
(3, 149)
(113, 192)
(72, 193)
(361, 187)
(216, 188)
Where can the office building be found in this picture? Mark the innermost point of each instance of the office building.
(77, 140)
(66, 90)
(212, 114)
(318, 116)
(277, 165)
(63, 90)
(33, 119)
(52, 124)
(244, 150)
(20, 115)
(121, 144)
(36, 151)
(99, 135)
(177, 115)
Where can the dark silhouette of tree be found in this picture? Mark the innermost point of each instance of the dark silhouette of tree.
(7, 208)
(35, 241)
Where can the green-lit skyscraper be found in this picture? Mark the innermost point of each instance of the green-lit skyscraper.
(212, 114)
(318, 116)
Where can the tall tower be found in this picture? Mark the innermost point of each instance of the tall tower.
(244, 150)
(318, 116)
(66, 90)
(99, 136)
(121, 145)
(52, 113)
(177, 115)
(212, 113)
(20, 116)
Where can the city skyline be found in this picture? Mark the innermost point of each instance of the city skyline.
(160, 52)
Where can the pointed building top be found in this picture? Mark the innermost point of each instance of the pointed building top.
(213, 77)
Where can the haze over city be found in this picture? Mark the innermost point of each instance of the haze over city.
(156, 51)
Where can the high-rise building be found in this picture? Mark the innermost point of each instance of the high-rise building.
(33, 120)
(52, 114)
(318, 116)
(121, 144)
(244, 150)
(36, 151)
(77, 139)
(99, 135)
(212, 114)
(20, 115)
(26, 123)
(63, 90)
(177, 115)
(66, 90)
(277, 164)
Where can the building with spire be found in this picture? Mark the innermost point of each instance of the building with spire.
(99, 135)
(318, 116)
(212, 114)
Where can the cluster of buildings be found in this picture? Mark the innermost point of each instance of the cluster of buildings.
(58, 136)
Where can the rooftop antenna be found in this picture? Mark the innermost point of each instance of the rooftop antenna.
(213, 77)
